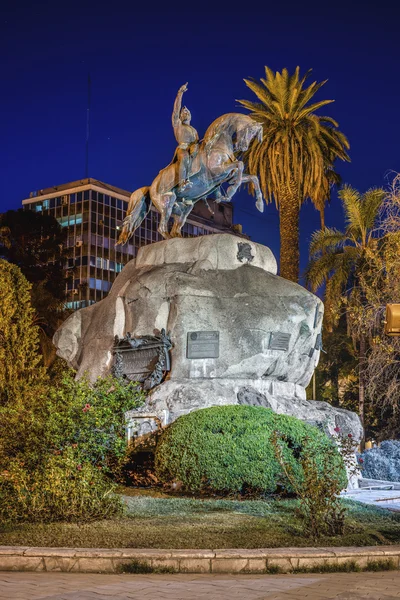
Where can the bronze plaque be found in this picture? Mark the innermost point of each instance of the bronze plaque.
(138, 364)
(145, 359)
(279, 341)
(203, 344)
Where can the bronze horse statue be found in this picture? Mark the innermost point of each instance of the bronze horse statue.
(214, 164)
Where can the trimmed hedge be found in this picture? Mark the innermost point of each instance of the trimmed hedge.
(228, 449)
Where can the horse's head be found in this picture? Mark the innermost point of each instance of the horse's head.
(236, 129)
(248, 130)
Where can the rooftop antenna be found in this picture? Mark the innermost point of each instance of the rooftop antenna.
(87, 127)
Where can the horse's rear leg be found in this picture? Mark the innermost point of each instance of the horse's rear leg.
(167, 203)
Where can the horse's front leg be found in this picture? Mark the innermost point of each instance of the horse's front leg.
(237, 181)
(254, 180)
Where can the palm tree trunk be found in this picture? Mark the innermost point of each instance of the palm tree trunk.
(322, 217)
(361, 390)
(289, 234)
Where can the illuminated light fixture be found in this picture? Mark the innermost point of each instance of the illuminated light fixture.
(392, 321)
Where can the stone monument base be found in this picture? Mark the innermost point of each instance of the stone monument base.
(205, 322)
(176, 398)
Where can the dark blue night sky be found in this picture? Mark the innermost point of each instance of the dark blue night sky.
(139, 54)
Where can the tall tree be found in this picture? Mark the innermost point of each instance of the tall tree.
(36, 243)
(340, 258)
(19, 336)
(295, 159)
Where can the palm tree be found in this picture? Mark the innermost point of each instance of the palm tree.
(338, 260)
(295, 158)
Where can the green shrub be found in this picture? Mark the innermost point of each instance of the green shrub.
(91, 418)
(60, 445)
(229, 449)
(72, 414)
(63, 489)
(320, 507)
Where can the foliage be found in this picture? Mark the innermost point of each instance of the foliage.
(295, 159)
(57, 442)
(336, 373)
(62, 489)
(381, 282)
(318, 488)
(72, 414)
(58, 448)
(337, 257)
(19, 337)
(340, 260)
(90, 418)
(228, 449)
(36, 243)
(382, 462)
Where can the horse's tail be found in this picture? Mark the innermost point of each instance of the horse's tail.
(139, 207)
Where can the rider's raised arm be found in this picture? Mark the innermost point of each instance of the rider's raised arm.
(176, 119)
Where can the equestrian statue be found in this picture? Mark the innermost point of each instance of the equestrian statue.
(197, 171)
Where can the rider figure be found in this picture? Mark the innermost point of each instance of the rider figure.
(187, 138)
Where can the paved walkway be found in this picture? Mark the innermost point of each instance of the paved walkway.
(380, 498)
(69, 586)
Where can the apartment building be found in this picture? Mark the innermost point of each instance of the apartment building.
(93, 213)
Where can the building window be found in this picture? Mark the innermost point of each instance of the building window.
(71, 220)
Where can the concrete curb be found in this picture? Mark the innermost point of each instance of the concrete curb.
(263, 560)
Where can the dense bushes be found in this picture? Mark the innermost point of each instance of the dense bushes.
(229, 449)
(61, 489)
(60, 447)
(20, 367)
(382, 462)
(91, 419)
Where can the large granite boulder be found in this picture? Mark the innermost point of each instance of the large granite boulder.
(269, 331)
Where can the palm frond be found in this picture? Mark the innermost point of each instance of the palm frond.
(327, 239)
(320, 269)
(351, 199)
(370, 206)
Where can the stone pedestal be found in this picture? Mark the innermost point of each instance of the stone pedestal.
(266, 331)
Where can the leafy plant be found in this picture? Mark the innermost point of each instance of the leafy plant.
(322, 479)
(61, 489)
(228, 449)
(91, 418)
(19, 337)
(338, 259)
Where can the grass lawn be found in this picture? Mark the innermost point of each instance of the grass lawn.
(162, 521)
